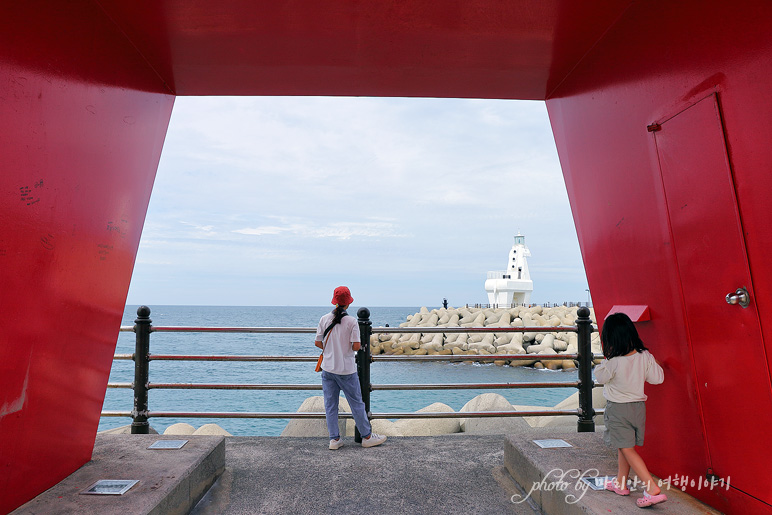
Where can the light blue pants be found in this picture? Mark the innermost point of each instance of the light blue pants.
(332, 384)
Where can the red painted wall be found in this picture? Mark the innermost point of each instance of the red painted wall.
(83, 123)
(657, 60)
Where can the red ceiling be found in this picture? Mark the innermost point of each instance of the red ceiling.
(451, 48)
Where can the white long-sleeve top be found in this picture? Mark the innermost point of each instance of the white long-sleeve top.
(622, 377)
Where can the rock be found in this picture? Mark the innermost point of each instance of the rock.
(568, 364)
(502, 339)
(491, 317)
(435, 344)
(180, 428)
(380, 426)
(490, 425)
(560, 345)
(482, 347)
(431, 321)
(312, 426)
(429, 426)
(571, 403)
(459, 342)
(478, 321)
(505, 320)
(211, 430)
(511, 348)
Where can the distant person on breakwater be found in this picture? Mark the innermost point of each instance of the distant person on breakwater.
(627, 366)
(338, 336)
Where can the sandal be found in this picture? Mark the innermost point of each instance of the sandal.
(649, 500)
(612, 485)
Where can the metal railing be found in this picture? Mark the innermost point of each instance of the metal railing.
(141, 385)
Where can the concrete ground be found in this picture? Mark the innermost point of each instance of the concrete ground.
(448, 474)
(460, 473)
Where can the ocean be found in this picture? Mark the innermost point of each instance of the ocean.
(288, 372)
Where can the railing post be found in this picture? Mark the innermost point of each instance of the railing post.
(363, 362)
(139, 424)
(586, 422)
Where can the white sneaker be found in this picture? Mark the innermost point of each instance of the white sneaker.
(373, 440)
(336, 444)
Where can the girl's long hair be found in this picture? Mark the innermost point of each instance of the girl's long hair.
(340, 312)
(619, 336)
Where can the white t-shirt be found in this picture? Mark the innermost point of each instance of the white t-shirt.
(339, 357)
(622, 377)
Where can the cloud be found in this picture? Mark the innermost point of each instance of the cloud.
(407, 193)
(336, 230)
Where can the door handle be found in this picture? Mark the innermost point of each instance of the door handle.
(740, 297)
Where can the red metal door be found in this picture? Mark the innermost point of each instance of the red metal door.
(734, 392)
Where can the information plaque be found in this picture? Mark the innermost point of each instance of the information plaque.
(168, 444)
(110, 487)
(552, 444)
(597, 483)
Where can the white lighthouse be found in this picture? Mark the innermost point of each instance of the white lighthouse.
(513, 285)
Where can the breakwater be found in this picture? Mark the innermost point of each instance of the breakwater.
(488, 345)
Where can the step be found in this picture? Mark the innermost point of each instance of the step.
(171, 481)
(551, 477)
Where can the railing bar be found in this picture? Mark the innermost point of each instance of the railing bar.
(406, 386)
(489, 329)
(277, 330)
(475, 357)
(376, 330)
(321, 415)
(124, 356)
(472, 386)
(120, 385)
(175, 357)
(380, 357)
(205, 386)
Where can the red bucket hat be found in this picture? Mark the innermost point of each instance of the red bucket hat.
(342, 296)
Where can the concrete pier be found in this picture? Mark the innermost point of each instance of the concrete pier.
(414, 475)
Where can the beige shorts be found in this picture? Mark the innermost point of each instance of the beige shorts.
(625, 424)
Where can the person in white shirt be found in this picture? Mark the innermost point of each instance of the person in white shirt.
(628, 365)
(338, 336)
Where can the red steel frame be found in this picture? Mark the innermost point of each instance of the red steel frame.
(86, 92)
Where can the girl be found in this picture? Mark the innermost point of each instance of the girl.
(338, 337)
(627, 366)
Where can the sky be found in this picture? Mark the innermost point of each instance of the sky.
(275, 201)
